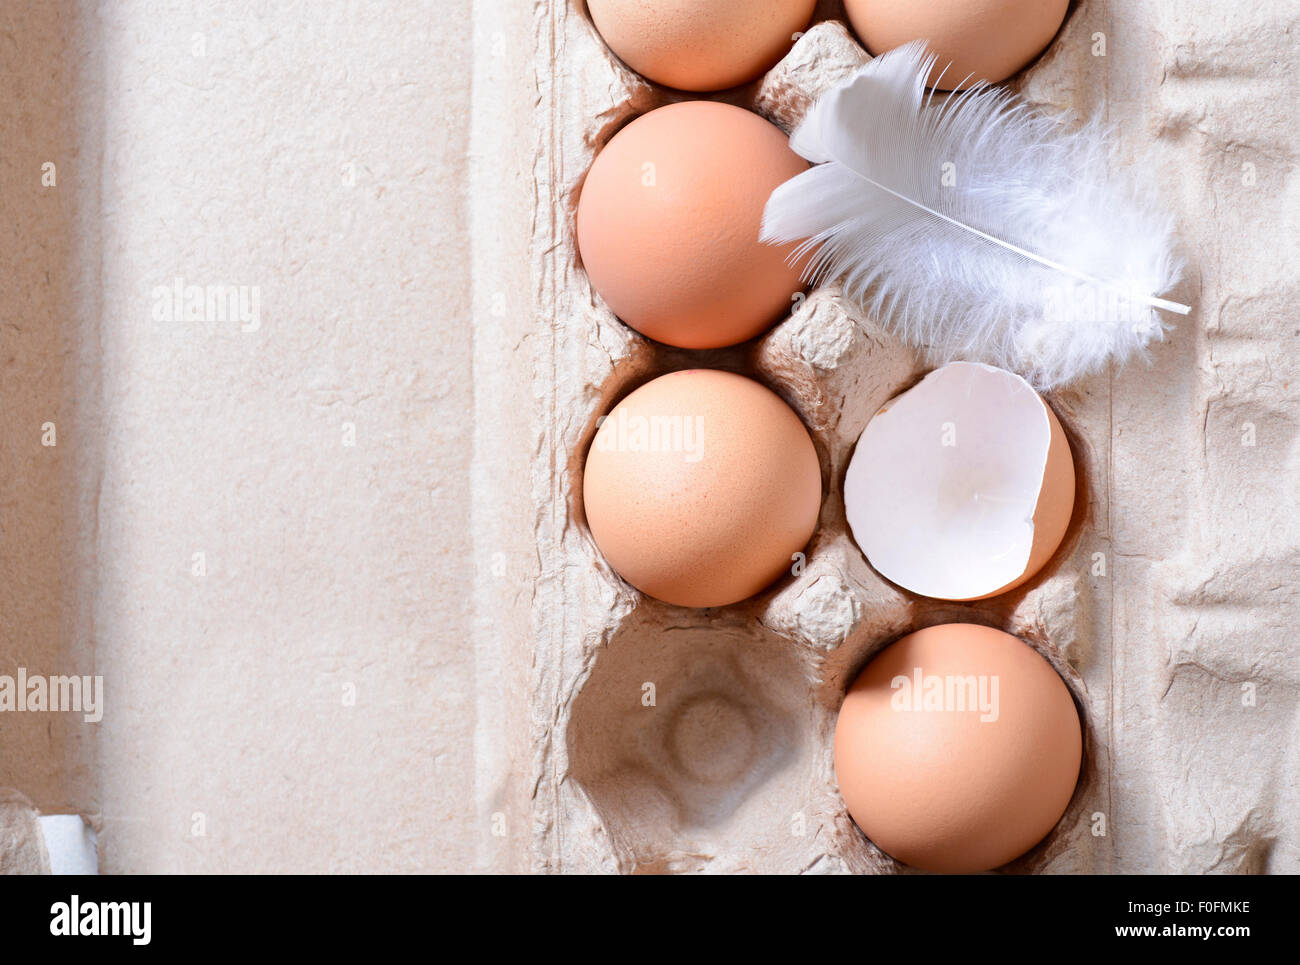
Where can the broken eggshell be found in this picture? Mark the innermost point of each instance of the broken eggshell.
(962, 487)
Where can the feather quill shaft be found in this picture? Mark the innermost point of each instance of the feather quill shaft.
(976, 229)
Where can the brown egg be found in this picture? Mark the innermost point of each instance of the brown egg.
(668, 225)
(973, 40)
(700, 44)
(957, 749)
(700, 487)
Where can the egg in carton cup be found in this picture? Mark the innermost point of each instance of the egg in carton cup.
(670, 738)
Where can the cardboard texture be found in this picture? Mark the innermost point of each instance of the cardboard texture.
(325, 544)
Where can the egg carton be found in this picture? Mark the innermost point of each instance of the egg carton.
(668, 739)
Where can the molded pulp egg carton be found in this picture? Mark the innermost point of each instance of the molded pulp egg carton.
(680, 740)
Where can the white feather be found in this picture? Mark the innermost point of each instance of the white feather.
(975, 228)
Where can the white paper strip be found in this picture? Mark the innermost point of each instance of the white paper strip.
(71, 844)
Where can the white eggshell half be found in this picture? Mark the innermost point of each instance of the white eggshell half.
(963, 486)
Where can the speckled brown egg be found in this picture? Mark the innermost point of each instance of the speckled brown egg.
(957, 749)
(973, 40)
(700, 487)
(700, 44)
(668, 225)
